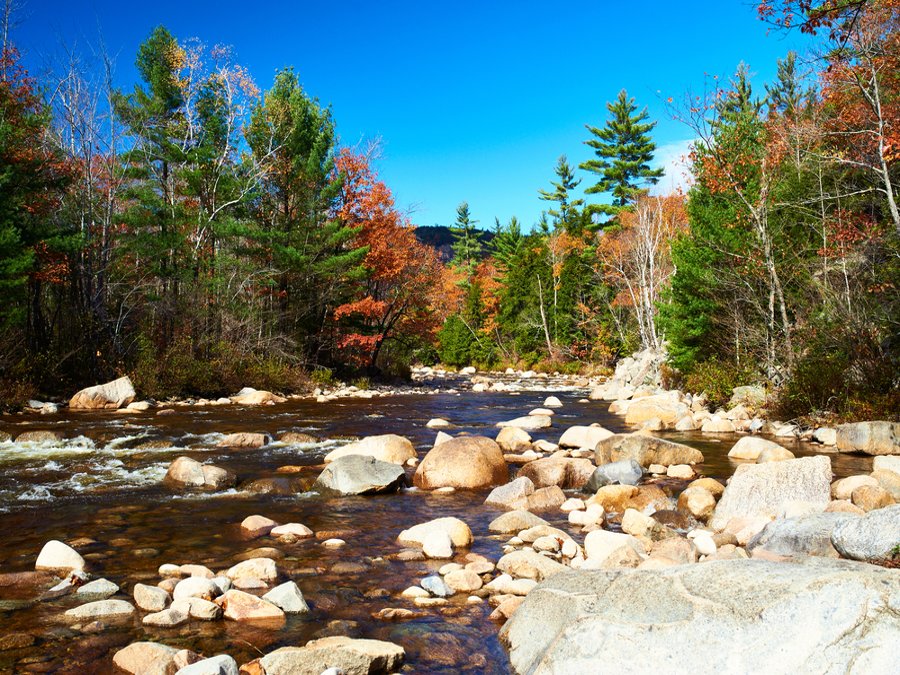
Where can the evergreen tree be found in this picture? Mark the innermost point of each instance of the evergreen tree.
(565, 214)
(467, 246)
(310, 248)
(740, 100)
(507, 243)
(787, 96)
(624, 152)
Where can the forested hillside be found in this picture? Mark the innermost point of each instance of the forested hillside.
(201, 230)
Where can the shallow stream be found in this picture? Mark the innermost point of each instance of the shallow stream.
(103, 485)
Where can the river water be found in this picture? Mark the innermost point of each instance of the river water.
(102, 486)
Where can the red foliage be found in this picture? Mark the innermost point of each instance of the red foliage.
(396, 298)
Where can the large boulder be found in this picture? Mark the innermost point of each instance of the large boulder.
(871, 438)
(338, 654)
(764, 489)
(187, 472)
(734, 616)
(583, 437)
(874, 536)
(464, 462)
(625, 472)
(664, 407)
(360, 475)
(645, 450)
(804, 535)
(565, 472)
(387, 448)
(110, 396)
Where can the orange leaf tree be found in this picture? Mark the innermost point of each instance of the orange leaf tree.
(395, 299)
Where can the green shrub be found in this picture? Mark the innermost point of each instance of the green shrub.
(717, 379)
(845, 370)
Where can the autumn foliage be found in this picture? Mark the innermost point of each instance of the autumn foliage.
(396, 297)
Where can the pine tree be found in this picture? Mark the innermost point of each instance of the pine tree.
(624, 152)
(507, 243)
(787, 96)
(467, 247)
(740, 100)
(566, 214)
(310, 247)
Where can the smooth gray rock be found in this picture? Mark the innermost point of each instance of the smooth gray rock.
(101, 609)
(762, 489)
(360, 475)
(873, 536)
(736, 616)
(288, 597)
(436, 586)
(625, 472)
(805, 535)
(513, 495)
(99, 588)
(215, 665)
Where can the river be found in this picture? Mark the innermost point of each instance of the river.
(102, 485)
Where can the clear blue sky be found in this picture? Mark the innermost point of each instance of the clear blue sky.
(472, 100)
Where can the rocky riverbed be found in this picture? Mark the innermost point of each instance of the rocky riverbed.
(476, 523)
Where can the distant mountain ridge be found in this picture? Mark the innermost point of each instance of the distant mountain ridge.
(440, 238)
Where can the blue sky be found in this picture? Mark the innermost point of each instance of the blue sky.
(472, 100)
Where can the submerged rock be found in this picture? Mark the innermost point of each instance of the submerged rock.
(727, 616)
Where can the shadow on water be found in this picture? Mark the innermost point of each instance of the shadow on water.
(107, 491)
